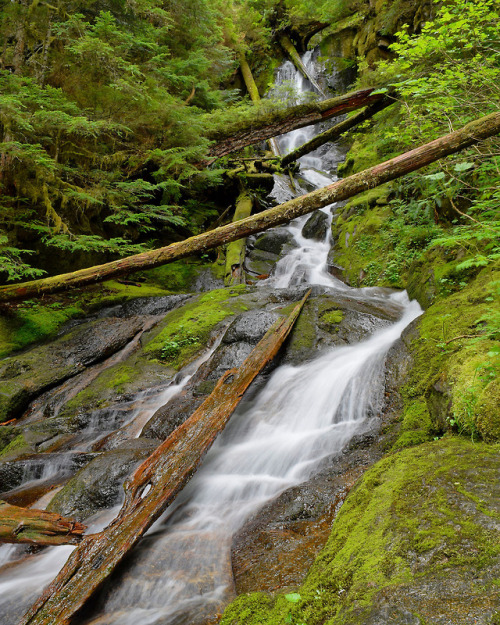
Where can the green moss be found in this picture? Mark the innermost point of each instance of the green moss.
(14, 447)
(333, 316)
(177, 277)
(416, 427)
(455, 366)
(187, 329)
(33, 322)
(409, 504)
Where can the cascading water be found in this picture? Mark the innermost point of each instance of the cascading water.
(181, 573)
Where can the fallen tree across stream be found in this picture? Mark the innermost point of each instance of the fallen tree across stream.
(341, 190)
(37, 527)
(153, 486)
(246, 132)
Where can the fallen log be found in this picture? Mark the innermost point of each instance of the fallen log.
(341, 190)
(153, 486)
(237, 136)
(235, 252)
(289, 48)
(336, 131)
(37, 527)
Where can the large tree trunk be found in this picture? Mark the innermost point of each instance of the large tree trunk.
(261, 128)
(23, 525)
(336, 131)
(341, 190)
(153, 486)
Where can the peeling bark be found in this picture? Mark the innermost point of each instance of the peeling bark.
(37, 527)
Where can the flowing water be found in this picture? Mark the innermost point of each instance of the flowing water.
(181, 573)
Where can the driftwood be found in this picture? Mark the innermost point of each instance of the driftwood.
(153, 486)
(261, 128)
(341, 190)
(235, 252)
(336, 131)
(23, 525)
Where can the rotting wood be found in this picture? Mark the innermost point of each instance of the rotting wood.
(235, 252)
(336, 131)
(37, 527)
(272, 124)
(341, 190)
(153, 486)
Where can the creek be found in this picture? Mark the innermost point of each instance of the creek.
(296, 418)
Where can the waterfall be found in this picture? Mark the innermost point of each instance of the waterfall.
(181, 572)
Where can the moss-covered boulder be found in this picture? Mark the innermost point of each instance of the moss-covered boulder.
(415, 542)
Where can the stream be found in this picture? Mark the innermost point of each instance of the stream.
(279, 437)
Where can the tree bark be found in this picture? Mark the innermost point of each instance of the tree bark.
(37, 527)
(261, 128)
(336, 131)
(289, 48)
(341, 190)
(235, 252)
(153, 486)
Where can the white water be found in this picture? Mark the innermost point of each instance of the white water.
(182, 571)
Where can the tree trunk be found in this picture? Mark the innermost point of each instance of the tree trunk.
(341, 190)
(153, 486)
(23, 525)
(235, 252)
(336, 131)
(253, 92)
(261, 128)
(289, 48)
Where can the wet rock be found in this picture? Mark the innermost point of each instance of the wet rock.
(40, 368)
(273, 241)
(145, 306)
(98, 485)
(316, 226)
(250, 327)
(276, 547)
(260, 263)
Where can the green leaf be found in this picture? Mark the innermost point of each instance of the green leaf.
(463, 166)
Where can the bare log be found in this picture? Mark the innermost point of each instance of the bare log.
(235, 253)
(153, 486)
(341, 190)
(261, 128)
(336, 131)
(37, 527)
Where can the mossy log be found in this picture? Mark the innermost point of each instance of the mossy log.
(262, 127)
(235, 252)
(38, 527)
(253, 92)
(341, 190)
(289, 48)
(153, 486)
(336, 131)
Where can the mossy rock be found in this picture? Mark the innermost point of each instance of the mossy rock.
(419, 521)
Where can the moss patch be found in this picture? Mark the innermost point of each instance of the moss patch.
(187, 329)
(409, 518)
(333, 316)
